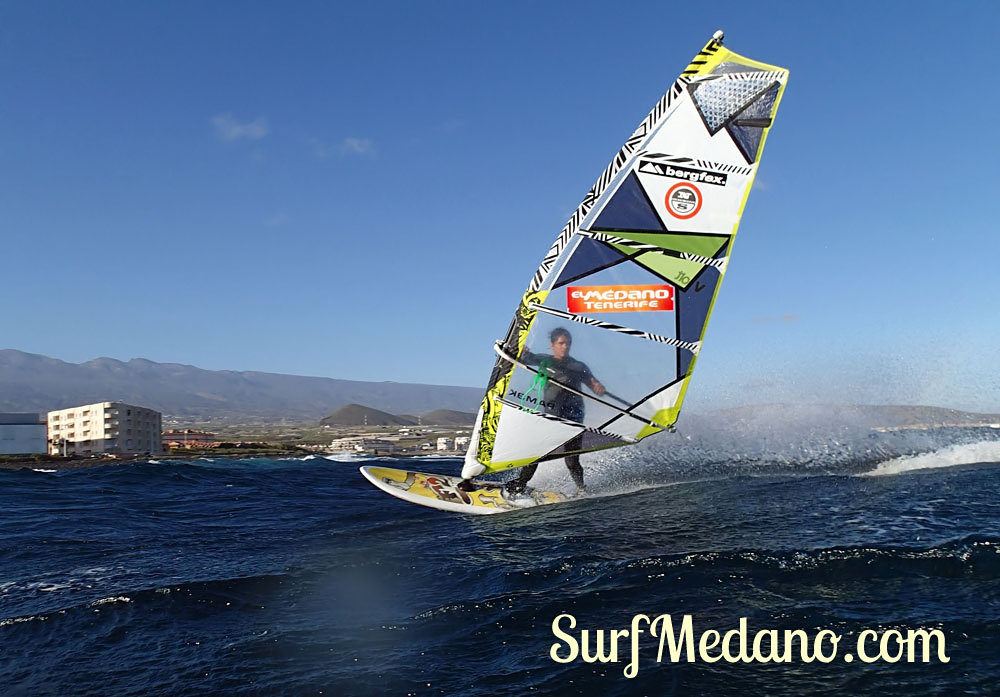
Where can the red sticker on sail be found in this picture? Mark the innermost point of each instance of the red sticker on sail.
(585, 299)
(683, 200)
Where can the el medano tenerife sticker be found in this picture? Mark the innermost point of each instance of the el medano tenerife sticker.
(646, 298)
(683, 200)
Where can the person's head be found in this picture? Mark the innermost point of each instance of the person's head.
(561, 341)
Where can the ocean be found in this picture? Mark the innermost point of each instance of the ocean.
(297, 577)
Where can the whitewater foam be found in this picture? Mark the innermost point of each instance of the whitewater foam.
(344, 457)
(964, 454)
(112, 599)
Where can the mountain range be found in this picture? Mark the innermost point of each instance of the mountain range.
(35, 383)
(32, 382)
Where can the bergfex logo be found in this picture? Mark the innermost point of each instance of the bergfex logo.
(692, 175)
(582, 299)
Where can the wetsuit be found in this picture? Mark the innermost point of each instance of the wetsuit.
(559, 402)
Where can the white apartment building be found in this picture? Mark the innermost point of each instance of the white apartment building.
(105, 427)
(21, 434)
(362, 444)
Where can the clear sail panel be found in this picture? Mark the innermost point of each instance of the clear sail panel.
(616, 368)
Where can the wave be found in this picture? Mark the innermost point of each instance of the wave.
(190, 595)
(951, 456)
(849, 570)
(344, 457)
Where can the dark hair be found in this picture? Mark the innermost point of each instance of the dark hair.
(557, 332)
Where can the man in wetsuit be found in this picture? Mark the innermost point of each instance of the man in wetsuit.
(560, 368)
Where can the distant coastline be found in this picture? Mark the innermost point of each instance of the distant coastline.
(28, 462)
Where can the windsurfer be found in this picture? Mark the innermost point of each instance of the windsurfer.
(559, 367)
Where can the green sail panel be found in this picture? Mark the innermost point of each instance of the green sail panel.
(672, 269)
(705, 245)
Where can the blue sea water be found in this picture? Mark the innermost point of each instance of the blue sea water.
(297, 577)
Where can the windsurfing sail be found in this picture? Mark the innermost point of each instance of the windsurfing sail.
(629, 284)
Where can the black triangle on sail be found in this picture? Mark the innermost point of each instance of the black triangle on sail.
(590, 256)
(629, 209)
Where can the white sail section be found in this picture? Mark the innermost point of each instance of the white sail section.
(523, 434)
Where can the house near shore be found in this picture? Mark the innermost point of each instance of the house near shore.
(363, 445)
(188, 438)
(22, 434)
(105, 427)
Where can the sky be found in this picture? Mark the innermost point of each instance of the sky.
(363, 190)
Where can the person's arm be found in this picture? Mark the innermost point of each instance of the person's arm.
(591, 381)
(529, 358)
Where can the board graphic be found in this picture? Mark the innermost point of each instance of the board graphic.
(441, 491)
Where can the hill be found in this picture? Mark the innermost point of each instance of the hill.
(447, 417)
(359, 415)
(32, 382)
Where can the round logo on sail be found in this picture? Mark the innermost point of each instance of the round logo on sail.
(683, 200)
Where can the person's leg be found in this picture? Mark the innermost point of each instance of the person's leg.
(573, 461)
(516, 486)
(575, 470)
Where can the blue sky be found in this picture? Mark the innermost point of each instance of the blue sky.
(364, 190)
